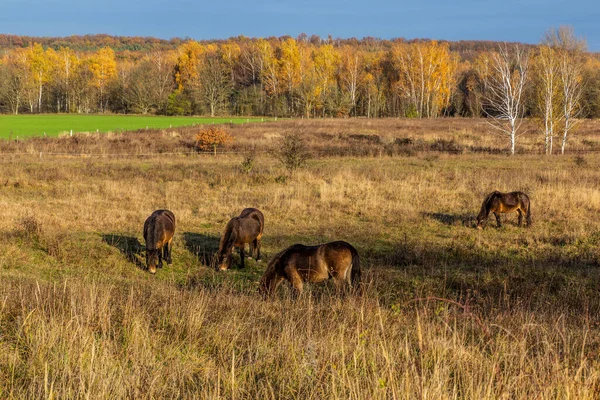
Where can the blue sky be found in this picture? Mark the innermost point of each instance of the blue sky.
(508, 20)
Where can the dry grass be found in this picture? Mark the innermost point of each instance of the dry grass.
(326, 137)
(448, 311)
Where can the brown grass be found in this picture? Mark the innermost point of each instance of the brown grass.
(448, 311)
(326, 137)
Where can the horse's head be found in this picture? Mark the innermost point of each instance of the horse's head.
(481, 220)
(152, 260)
(223, 261)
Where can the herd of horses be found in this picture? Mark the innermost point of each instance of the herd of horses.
(298, 263)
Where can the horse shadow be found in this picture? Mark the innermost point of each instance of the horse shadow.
(129, 246)
(204, 247)
(467, 220)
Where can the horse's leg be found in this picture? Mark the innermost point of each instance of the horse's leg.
(160, 258)
(295, 279)
(257, 246)
(520, 217)
(498, 219)
(242, 255)
(170, 259)
(341, 284)
(251, 247)
(273, 284)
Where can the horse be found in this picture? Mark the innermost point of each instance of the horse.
(299, 263)
(159, 229)
(245, 228)
(497, 202)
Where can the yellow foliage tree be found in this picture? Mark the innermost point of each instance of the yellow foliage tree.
(427, 74)
(104, 68)
(40, 65)
(186, 68)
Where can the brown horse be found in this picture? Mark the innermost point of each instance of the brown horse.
(299, 264)
(497, 202)
(159, 229)
(245, 228)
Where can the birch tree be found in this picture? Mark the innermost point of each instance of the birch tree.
(569, 50)
(505, 88)
(547, 93)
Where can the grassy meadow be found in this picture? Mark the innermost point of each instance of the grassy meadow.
(448, 311)
(22, 126)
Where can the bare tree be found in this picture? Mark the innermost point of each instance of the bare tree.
(215, 82)
(547, 92)
(505, 87)
(569, 50)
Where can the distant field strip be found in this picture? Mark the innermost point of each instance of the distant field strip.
(13, 126)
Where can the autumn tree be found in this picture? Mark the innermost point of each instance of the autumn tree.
(349, 70)
(103, 67)
(289, 70)
(211, 138)
(16, 81)
(269, 72)
(426, 75)
(66, 63)
(325, 62)
(41, 68)
(372, 85)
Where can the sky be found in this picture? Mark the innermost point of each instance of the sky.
(500, 20)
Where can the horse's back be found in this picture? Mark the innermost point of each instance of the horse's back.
(255, 214)
(159, 228)
(338, 252)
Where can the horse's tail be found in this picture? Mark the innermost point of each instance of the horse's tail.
(355, 273)
(528, 214)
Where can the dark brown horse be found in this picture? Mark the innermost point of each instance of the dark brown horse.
(298, 264)
(159, 229)
(497, 203)
(245, 228)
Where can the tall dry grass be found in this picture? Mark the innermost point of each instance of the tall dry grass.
(448, 311)
(326, 137)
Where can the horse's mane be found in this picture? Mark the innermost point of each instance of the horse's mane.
(271, 266)
(488, 199)
(229, 235)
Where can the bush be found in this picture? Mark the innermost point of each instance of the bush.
(292, 152)
(248, 162)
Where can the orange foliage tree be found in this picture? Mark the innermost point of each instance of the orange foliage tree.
(211, 138)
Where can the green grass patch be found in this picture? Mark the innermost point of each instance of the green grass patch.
(21, 126)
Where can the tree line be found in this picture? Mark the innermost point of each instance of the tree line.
(303, 76)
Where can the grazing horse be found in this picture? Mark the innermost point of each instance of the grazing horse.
(159, 229)
(245, 228)
(497, 202)
(299, 264)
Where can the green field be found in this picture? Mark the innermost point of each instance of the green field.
(53, 125)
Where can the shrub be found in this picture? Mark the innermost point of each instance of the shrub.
(248, 162)
(292, 152)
